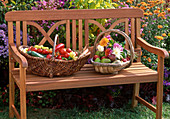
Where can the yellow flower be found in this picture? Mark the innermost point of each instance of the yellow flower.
(160, 26)
(159, 37)
(168, 9)
(164, 34)
(104, 41)
(145, 13)
(149, 59)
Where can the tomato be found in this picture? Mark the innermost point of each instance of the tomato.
(49, 56)
(68, 50)
(39, 50)
(59, 57)
(45, 52)
(66, 55)
(76, 53)
(62, 51)
(34, 49)
(30, 48)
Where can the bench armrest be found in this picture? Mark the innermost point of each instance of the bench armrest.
(17, 56)
(159, 51)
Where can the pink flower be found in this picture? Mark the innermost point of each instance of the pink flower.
(116, 45)
(154, 100)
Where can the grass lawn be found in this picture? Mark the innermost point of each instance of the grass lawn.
(140, 112)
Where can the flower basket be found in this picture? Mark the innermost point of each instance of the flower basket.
(53, 67)
(107, 68)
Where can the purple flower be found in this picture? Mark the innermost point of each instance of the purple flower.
(166, 83)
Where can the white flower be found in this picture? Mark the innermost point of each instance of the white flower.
(100, 48)
(117, 51)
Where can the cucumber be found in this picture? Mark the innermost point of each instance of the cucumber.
(35, 54)
(29, 52)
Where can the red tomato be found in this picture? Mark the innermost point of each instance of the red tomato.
(30, 48)
(45, 52)
(34, 49)
(59, 57)
(66, 55)
(39, 50)
(62, 51)
(68, 50)
(76, 53)
(49, 56)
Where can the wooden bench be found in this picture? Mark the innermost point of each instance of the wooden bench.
(87, 77)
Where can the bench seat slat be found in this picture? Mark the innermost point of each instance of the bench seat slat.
(87, 77)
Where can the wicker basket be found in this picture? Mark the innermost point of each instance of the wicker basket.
(53, 67)
(107, 68)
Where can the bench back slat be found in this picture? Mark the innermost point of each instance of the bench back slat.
(18, 42)
(73, 14)
(74, 34)
(80, 32)
(68, 33)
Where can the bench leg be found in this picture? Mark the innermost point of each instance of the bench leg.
(23, 93)
(135, 93)
(11, 96)
(160, 88)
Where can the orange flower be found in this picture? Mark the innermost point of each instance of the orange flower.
(104, 41)
(168, 9)
(156, 11)
(144, 25)
(146, 17)
(159, 37)
(160, 26)
(143, 34)
(142, 7)
(158, 8)
(144, 56)
(143, 3)
(149, 59)
(146, 13)
(129, 1)
(164, 34)
(150, 13)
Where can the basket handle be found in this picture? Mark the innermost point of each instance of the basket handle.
(123, 34)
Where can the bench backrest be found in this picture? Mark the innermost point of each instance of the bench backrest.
(72, 17)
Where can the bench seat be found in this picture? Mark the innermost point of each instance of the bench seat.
(87, 77)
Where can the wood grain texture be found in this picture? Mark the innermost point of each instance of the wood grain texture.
(138, 27)
(133, 32)
(136, 88)
(17, 56)
(72, 14)
(24, 26)
(86, 28)
(22, 76)
(18, 43)
(16, 112)
(87, 77)
(68, 34)
(160, 87)
(50, 32)
(142, 101)
(74, 34)
(80, 35)
(127, 31)
(159, 51)
(47, 38)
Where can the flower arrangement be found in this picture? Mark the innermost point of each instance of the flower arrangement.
(110, 51)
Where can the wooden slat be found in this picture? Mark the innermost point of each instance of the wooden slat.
(43, 32)
(80, 35)
(16, 112)
(68, 33)
(142, 101)
(87, 77)
(24, 33)
(50, 32)
(74, 34)
(23, 92)
(160, 87)
(18, 43)
(72, 14)
(133, 32)
(86, 26)
(97, 24)
(135, 93)
(126, 31)
(138, 26)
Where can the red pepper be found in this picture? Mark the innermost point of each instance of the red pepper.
(59, 46)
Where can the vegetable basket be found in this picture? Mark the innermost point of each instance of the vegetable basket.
(108, 68)
(53, 67)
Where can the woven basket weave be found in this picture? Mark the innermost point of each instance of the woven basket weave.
(53, 67)
(107, 68)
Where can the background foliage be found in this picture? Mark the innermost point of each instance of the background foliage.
(155, 30)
